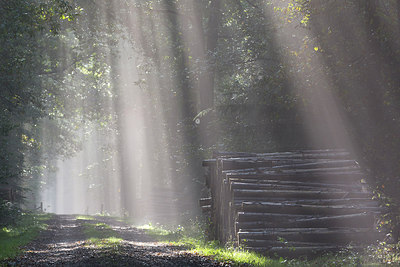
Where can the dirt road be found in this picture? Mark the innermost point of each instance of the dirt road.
(64, 243)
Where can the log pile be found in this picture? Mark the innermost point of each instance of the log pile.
(291, 203)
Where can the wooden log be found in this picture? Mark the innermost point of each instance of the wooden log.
(272, 217)
(359, 202)
(342, 177)
(208, 162)
(305, 154)
(363, 220)
(206, 208)
(267, 244)
(315, 171)
(253, 183)
(248, 163)
(255, 186)
(338, 236)
(301, 194)
(296, 252)
(240, 160)
(205, 201)
(300, 155)
(273, 207)
(319, 165)
(226, 154)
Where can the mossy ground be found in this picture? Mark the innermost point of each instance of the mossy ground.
(13, 237)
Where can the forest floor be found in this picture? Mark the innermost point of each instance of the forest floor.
(66, 242)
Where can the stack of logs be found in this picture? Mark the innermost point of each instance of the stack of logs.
(291, 203)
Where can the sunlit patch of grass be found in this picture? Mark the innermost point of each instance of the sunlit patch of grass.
(234, 256)
(192, 237)
(98, 230)
(160, 233)
(13, 237)
(110, 242)
(101, 235)
(85, 218)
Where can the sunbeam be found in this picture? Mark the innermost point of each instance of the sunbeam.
(111, 107)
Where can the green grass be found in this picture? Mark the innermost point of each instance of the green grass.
(85, 218)
(234, 256)
(101, 235)
(192, 237)
(13, 237)
(162, 234)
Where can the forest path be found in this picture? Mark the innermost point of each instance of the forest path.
(64, 243)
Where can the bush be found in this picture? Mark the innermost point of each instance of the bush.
(10, 214)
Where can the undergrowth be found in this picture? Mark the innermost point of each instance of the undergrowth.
(19, 233)
(192, 237)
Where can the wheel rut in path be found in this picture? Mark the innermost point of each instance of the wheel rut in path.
(64, 243)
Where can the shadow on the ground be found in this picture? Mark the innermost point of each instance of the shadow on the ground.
(64, 243)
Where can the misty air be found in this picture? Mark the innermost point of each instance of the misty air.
(199, 132)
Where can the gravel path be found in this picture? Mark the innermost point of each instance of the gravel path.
(63, 244)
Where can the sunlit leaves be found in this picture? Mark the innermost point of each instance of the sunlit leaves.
(29, 141)
(55, 80)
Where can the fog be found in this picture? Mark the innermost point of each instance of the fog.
(171, 105)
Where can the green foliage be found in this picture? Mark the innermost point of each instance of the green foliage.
(383, 253)
(10, 214)
(237, 257)
(255, 107)
(19, 233)
(47, 55)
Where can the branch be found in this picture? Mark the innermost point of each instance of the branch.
(60, 70)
